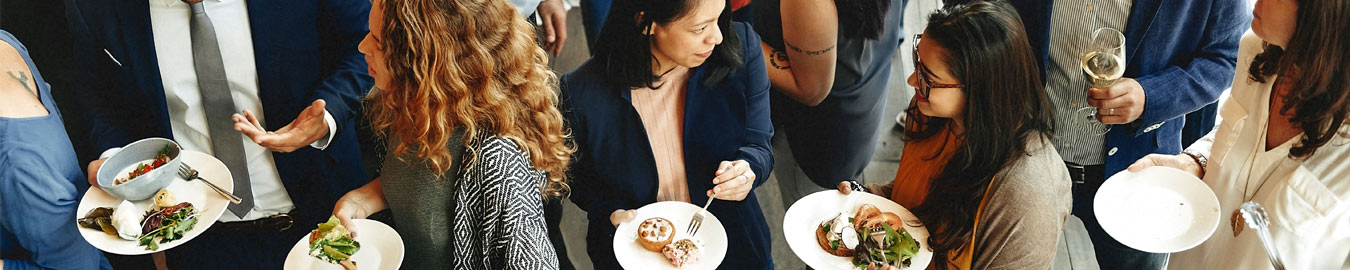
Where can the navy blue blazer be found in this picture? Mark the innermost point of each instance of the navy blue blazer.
(304, 49)
(614, 168)
(1181, 51)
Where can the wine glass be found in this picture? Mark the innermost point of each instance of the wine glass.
(1103, 63)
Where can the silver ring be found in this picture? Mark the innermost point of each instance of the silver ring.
(1112, 111)
(747, 178)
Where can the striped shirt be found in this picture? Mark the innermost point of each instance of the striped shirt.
(1070, 30)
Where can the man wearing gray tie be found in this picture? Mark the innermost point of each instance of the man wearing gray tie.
(187, 69)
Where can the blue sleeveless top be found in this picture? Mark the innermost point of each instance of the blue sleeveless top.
(41, 184)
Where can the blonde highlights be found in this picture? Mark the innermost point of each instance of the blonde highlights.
(471, 64)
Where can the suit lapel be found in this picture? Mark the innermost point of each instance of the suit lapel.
(136, 52)
(1142, 13)
(262, 16)
(694, 95)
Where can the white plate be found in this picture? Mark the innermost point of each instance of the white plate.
(1158, 209)
(801, 220)
(631, 255)
(381, 248)
(208, 203)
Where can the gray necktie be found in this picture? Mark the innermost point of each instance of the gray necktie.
(226, 143)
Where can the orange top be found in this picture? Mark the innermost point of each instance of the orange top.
(920, 162)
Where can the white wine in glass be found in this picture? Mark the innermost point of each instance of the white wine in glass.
(1103, 69)
(1103, 65)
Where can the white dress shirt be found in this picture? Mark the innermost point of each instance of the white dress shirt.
(173, 46)
(1305, 199)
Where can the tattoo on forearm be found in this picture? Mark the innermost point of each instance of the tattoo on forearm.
(800, 50)
(23, 79)
(779, 56)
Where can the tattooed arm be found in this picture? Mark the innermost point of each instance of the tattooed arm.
(810, 37)
(19, 95)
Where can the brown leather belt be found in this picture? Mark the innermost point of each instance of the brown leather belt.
(274, 223)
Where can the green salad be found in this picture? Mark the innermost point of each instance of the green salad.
(332, 242)
(898, 245)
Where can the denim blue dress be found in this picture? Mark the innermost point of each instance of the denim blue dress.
(41, 184)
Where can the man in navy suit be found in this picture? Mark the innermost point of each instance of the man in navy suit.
(1179, 57)
(182, 69)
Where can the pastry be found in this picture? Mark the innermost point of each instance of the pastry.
(683, 252)
(655, 233)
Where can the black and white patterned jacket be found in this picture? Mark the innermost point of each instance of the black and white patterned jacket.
(498, 221)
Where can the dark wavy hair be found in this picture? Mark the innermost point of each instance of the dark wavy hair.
(626, 52)
(1316, 56)
(988, 52)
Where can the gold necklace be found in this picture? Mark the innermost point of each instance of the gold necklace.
(1236, 221)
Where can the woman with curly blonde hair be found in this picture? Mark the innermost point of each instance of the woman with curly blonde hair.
(467, 105)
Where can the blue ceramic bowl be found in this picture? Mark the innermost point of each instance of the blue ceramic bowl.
(136, 153)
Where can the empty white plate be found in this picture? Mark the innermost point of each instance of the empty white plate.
(1158, 209)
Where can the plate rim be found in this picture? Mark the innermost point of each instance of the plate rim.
(203, 223)
(615, 242)
(362, 223)
(822, 195)
(1195, 184)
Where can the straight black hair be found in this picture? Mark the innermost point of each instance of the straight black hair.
(626, 53)
(1006, 106)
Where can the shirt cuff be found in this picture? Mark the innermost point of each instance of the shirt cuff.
(322, 143)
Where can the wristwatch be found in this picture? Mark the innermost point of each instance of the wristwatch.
(1199, 158)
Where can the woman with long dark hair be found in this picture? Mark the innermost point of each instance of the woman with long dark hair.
(673, 107)
(978, 168)
(1283, 143)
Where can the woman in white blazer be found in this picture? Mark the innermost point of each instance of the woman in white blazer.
(1282, 142)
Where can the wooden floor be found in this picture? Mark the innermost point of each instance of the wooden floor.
(1074, 251)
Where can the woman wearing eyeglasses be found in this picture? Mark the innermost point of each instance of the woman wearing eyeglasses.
(977, 167)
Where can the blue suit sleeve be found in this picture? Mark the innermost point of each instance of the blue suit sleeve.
(1180, 89)
(342, 26)
(758, 126)
(588, 191)
(39, 209)
(95, 93)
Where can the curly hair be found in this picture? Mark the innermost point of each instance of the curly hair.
(471, 64)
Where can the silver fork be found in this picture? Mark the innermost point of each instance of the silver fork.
(188, 173)
(879, 236)
(697, 221)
